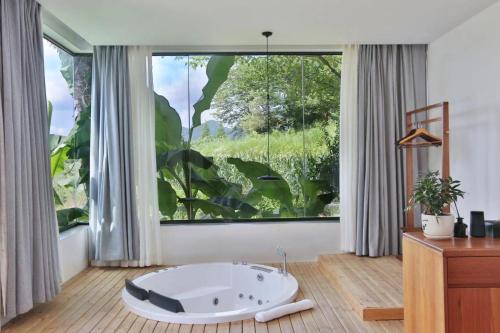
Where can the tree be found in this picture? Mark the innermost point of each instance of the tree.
(221, 133)
(205, 132)
(254, 121)
(241, 100)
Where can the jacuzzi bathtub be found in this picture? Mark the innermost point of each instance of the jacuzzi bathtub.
(213, 293)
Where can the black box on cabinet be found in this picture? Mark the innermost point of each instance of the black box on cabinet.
(477, 226)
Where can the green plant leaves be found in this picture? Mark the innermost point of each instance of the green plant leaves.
(168, 127)
(208, 207)
(78, 141)
(245, 210)
(57, 159)
(217, 71)
(317, 194)
(277, 189)
(173, 158)
(434, 193)
(67, 215)
(167, 198)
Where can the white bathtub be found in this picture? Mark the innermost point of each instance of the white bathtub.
(214, 293)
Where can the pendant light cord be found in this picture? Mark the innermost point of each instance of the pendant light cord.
(268, 176)
(304, 161)
(268, 108)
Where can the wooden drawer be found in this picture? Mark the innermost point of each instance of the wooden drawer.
(474, 310)
(474, 271)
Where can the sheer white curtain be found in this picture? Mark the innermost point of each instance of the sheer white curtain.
(143, 141)
(348, 145)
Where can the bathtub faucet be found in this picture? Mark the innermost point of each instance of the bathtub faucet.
(283, 269)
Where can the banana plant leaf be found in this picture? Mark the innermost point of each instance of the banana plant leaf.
(172, 158)
(168, 127)
(57, 198)
(209, 183)
(317, 194)
(167, 198)
(276, 189)
(67, 215)
(209, 207)
(70, 179)
(57, 159)
(165, 174)
(244, 210)
(253, 197)
(79, 142)
(79, 137)
(217, 71)
(55, 141)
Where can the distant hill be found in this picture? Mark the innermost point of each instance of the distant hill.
(213, 125)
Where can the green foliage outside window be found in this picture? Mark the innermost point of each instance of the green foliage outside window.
(210, 170)
(215, 176)
(70, 154)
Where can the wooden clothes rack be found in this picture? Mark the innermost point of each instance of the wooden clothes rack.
(445, 172)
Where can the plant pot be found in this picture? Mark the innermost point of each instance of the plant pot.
(438, 227)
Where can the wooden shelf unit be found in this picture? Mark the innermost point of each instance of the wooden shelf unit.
(445, 171)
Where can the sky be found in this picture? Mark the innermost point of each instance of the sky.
(170, 79)
(58, 92)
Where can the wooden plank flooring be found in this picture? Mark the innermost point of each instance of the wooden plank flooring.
(91, 302)
(373, 286)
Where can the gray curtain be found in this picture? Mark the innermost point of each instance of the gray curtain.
(391, 81)
(113, 218)
(29, 262)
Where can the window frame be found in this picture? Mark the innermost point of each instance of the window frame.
(65, 49)
(320, 219)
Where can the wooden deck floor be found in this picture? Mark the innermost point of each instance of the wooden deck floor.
(91, 302)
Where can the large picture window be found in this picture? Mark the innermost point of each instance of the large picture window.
(68, 87)
(211, 143)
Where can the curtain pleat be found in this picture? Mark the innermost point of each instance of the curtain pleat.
(391, 81)
(29, 267)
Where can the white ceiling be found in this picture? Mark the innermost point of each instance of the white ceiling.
(226, 23)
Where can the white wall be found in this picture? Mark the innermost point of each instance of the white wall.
(73, 251)
(253, 242)
(464, 68)
(208, 242)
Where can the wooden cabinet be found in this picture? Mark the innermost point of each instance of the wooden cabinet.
(451, 285)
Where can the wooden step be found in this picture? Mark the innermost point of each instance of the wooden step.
(373, 286)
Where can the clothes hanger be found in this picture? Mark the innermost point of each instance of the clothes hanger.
(419, 133)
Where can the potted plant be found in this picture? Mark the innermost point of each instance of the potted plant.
(434, 194)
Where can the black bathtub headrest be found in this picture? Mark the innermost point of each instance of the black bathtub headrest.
(165, 302)
(136, 291)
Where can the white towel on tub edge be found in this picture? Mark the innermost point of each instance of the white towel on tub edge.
(284, 310)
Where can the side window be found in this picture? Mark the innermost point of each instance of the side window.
(68, 87)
